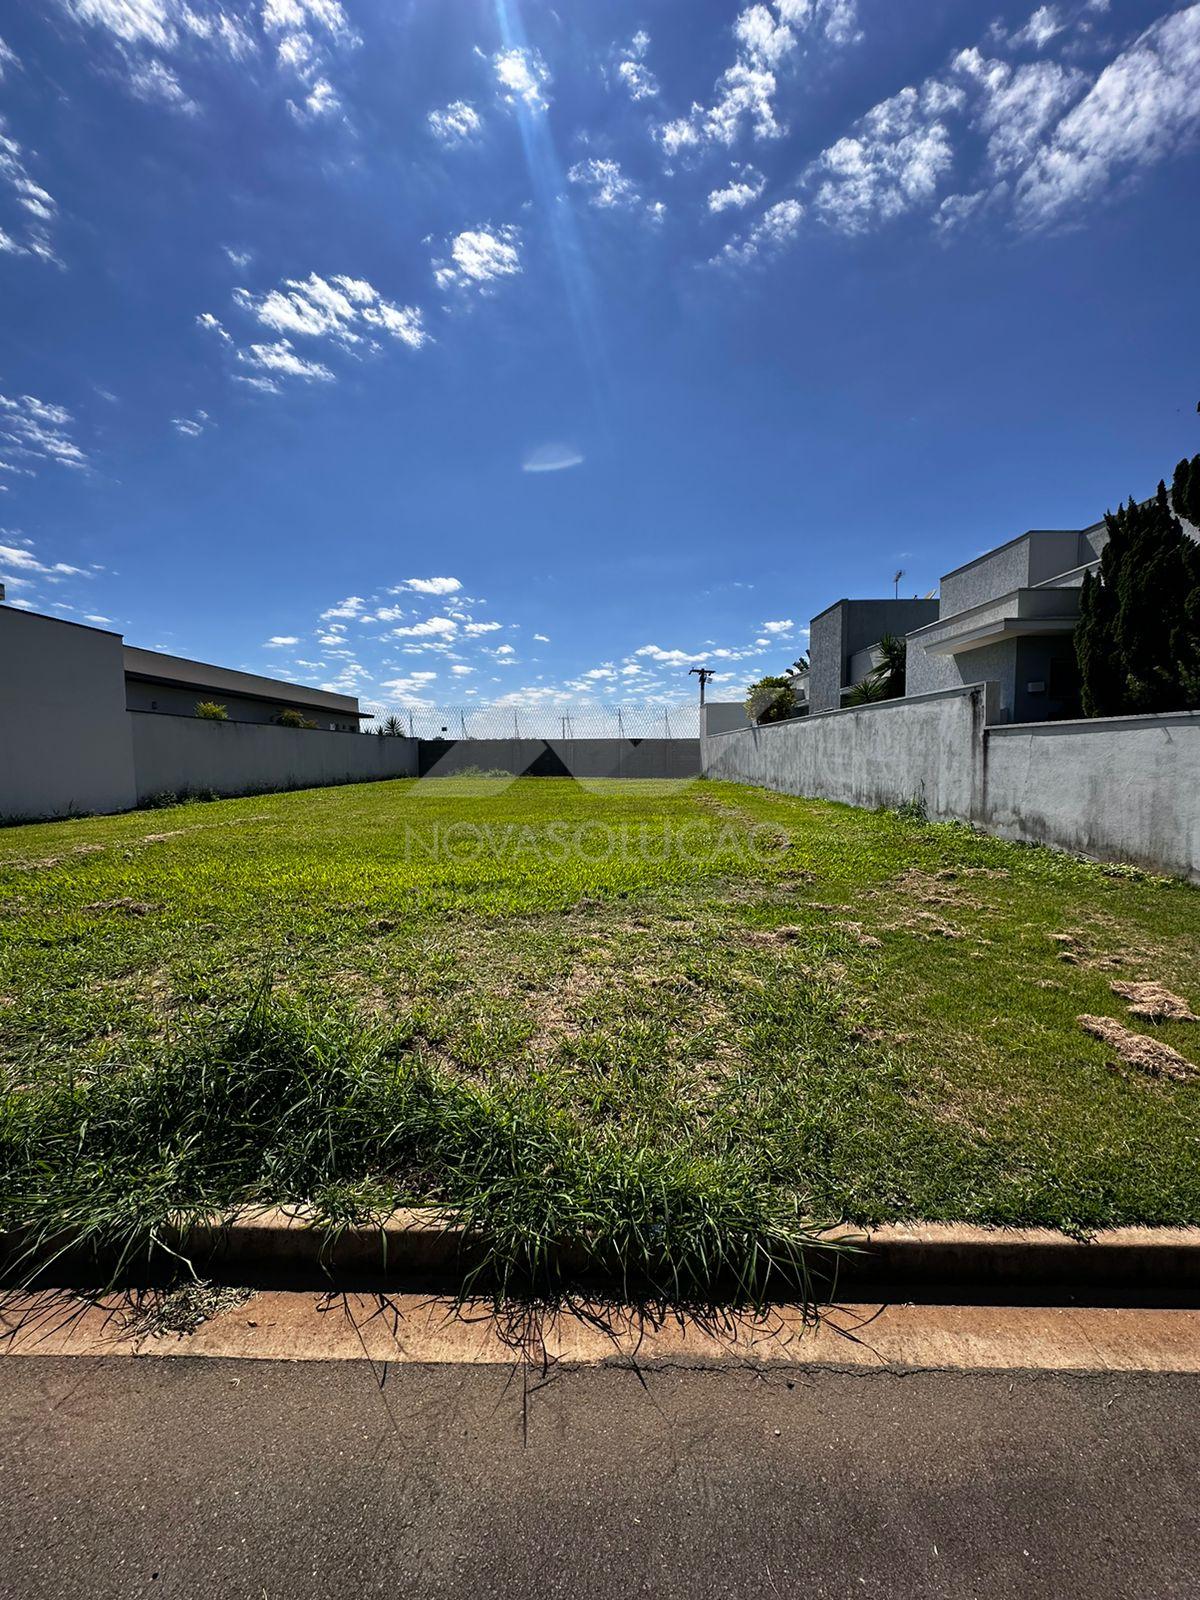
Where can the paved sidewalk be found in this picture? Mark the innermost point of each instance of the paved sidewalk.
(275, 1480)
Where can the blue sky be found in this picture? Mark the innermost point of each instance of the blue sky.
(466, 349)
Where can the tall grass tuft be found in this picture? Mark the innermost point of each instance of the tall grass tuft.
(297, 1105)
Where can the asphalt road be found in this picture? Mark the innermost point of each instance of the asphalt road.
(271, 1480)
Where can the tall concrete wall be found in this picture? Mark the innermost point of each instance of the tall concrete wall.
(64, 732)
(929, 748)
(719, 716)
(563, 758)
(174, 755)
(1117, 788)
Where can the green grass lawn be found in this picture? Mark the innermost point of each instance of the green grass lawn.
(672, 1020)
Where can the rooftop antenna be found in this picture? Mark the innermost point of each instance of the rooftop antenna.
(705, 674)
(896, 576)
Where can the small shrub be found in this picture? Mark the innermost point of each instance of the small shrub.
(475, 772)
(913, 809)
(210, 711)
(293, 719)
(771, 699)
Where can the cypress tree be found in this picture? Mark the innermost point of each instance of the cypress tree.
(1138, 637)
(1095, 649)
(1185, 490)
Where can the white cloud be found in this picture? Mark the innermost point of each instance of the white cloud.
(132, 21)
(1144, 106)
(432, 585)
(408, 692)
(433, 627)
(191, 427)
(345, 311)
(351, 606)
(1045, 24)
(143, 32)
(762, 37)
(479, 257)
(552, 458)
(455, 123)
(542, 638)
(281, 358)
(833, 20)
(461, 671)
(777, 226)
(745, 92)
(785, 626)
(278, 641)
(670, 658)
(156, 83)
(212, 324)
(320, 101)
(1019, 104)
(13, 556)
(606, 185)
(338, 308)
(891, 162)
(745, 186)
(523, 77)
(632, 72)
(958, 211)
(33, 432)
(481, 627)
(37, 208)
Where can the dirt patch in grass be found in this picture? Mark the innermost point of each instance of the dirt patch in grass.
(127, 906)
(44, 863)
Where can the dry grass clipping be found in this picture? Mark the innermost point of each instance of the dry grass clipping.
(1136, 1050)
(1154, 1003)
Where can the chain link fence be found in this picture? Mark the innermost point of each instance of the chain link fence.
(577, 720)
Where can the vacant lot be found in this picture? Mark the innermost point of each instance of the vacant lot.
(674, 1019)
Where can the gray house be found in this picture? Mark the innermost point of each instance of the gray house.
(843, 639)
(173, 685)
(1008, 617)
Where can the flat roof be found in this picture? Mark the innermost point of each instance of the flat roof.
(879, 600)
(50, 616)
(154, 666)
(1007, 545)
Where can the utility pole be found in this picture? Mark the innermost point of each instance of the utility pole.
(896, 581)
(705, 675)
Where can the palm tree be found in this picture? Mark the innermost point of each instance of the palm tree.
(866, 692)
(393, 727)
(892, 667)
(886, 679)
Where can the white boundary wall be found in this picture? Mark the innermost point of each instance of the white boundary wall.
(176, 755)
(927, 748)
(1118, 789)
(64, 730)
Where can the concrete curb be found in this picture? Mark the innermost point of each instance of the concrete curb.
(421, 1248)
